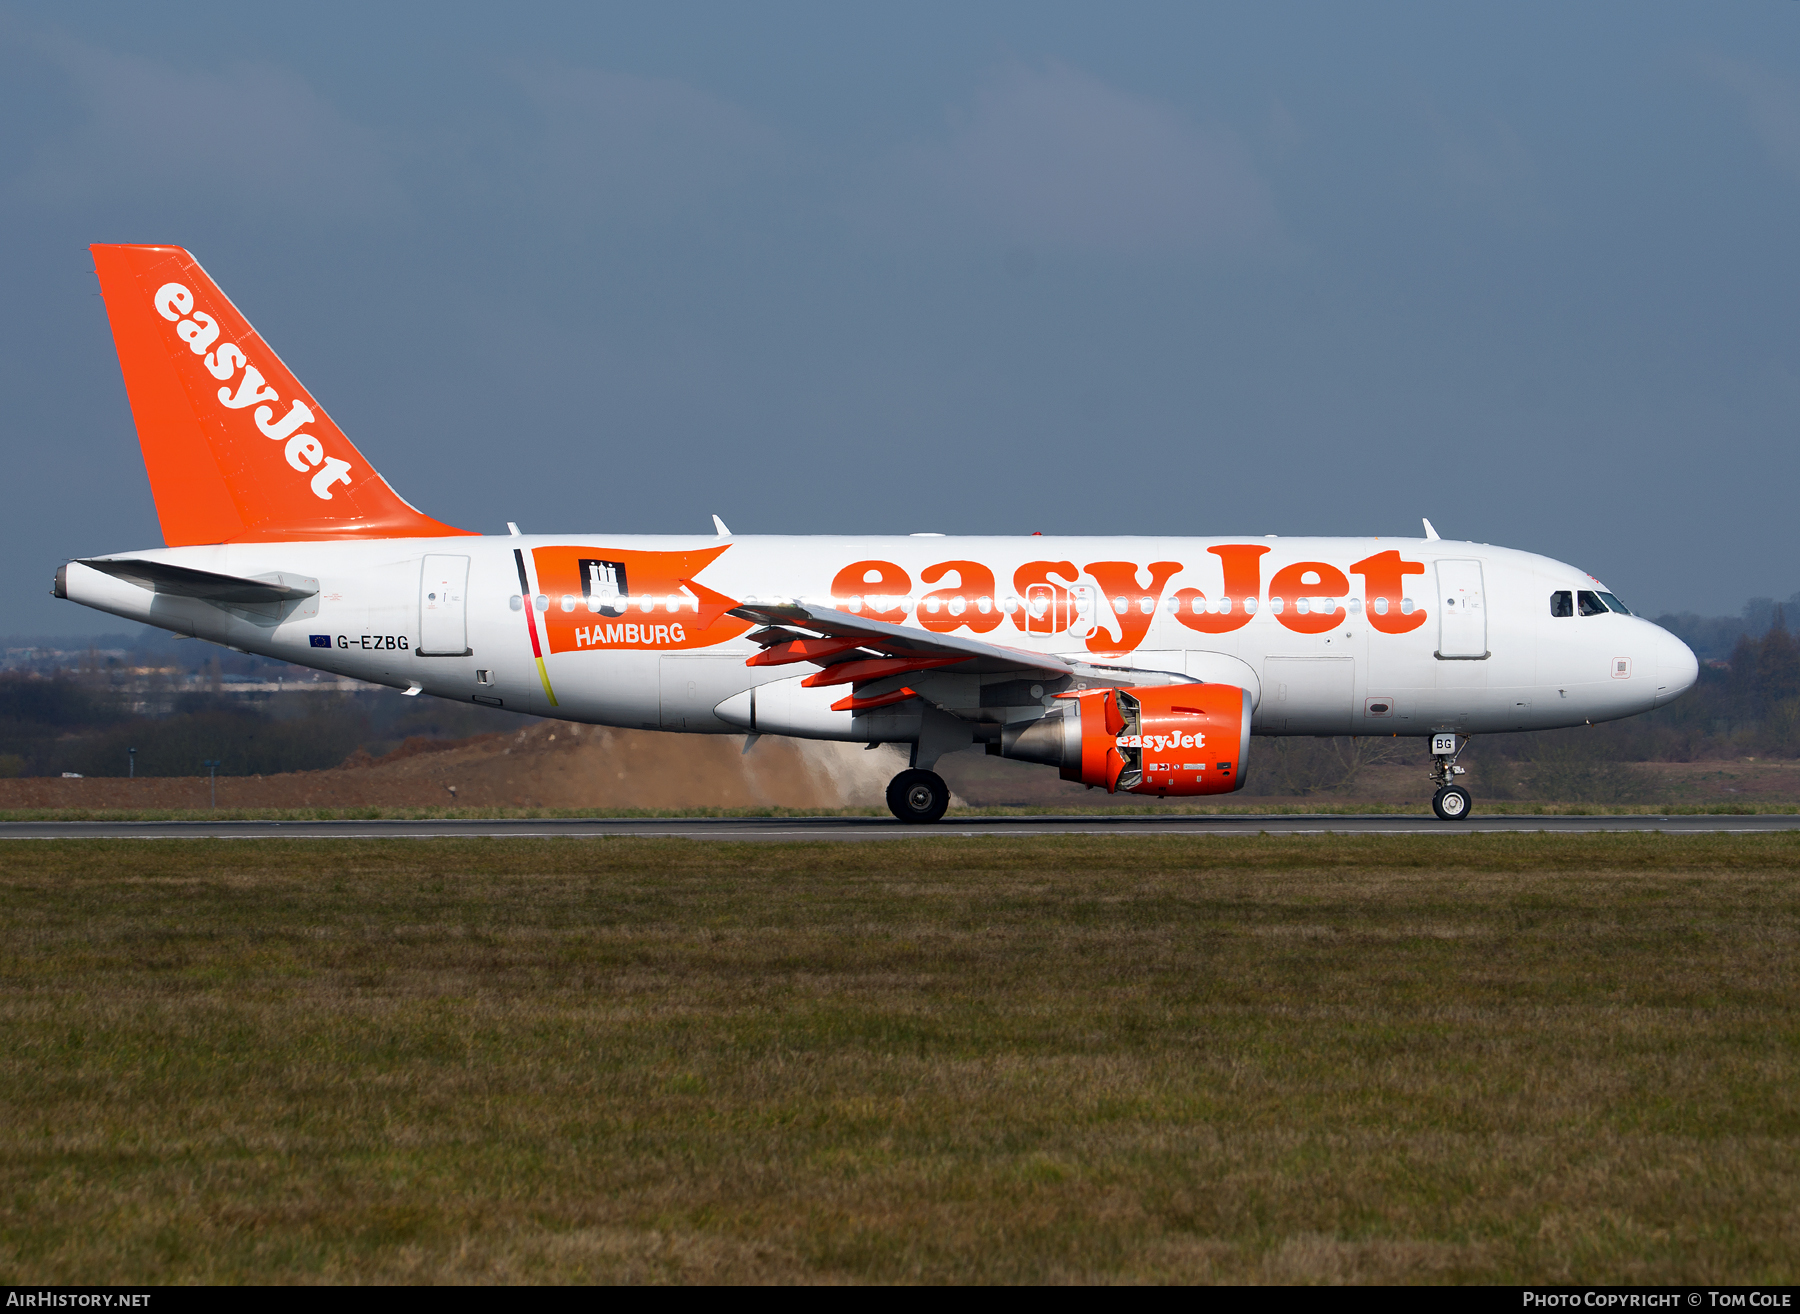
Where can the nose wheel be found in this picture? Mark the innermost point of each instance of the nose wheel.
(918, 797)
(1452, 801)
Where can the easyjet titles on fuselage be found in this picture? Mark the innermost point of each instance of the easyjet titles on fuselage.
(1047, 598)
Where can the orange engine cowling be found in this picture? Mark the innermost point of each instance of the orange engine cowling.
(1167, 739)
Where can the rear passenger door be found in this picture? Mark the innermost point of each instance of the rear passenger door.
(443, 609)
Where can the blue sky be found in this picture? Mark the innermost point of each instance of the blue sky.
(1529, 270)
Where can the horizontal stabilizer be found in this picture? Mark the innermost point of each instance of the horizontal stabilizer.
(185, 582)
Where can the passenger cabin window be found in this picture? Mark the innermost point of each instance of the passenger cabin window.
(1613, 604)
(1590, 603)
(1562, 603)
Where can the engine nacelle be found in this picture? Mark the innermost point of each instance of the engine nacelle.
(1169, 739)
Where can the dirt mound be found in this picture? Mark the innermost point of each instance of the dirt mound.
(549, 765)
(558, 765)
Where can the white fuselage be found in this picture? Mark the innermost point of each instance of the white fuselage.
(1488, 657)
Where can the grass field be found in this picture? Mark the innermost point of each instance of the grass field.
(1507, 1058)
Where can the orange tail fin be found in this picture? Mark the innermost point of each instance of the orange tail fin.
(237, 450)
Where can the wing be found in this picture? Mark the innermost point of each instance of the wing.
(880, 661)
(848, 638)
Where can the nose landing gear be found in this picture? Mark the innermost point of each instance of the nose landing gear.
(1452, 801)
(918, 797)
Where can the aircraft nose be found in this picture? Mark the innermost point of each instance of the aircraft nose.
(1676, 667)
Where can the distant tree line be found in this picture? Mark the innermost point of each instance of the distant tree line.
(1746, 703)
(1715, 638)
(49, 726)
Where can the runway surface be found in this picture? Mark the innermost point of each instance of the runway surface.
(877, 828)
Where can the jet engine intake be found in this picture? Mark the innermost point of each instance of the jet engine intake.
(1180, 739)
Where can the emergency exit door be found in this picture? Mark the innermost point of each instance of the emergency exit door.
(1462, 611)
(1053, 610)
(443, 611)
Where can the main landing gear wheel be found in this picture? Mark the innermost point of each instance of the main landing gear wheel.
(918, 797)
(1452, 803)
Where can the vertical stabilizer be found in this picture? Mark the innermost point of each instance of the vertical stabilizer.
(236, 449)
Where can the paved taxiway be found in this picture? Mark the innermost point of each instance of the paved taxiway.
(879, 828)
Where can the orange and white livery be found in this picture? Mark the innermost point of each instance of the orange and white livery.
(1140, 664)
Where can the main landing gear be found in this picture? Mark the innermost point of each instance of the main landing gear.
(1452, 801)
(918, 797)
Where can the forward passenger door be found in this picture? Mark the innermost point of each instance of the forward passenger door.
(1462, 611)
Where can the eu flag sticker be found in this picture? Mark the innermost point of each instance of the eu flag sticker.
(321, 640)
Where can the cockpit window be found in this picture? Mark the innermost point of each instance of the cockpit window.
(1613, 604)
(1562, 603)
(1589, 603)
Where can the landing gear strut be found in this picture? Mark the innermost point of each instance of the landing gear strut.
(1452, 801)
(918, 797)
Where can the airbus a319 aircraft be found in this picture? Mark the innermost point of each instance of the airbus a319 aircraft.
(1135, 664)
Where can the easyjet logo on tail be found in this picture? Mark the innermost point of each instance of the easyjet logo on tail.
(199, 330)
